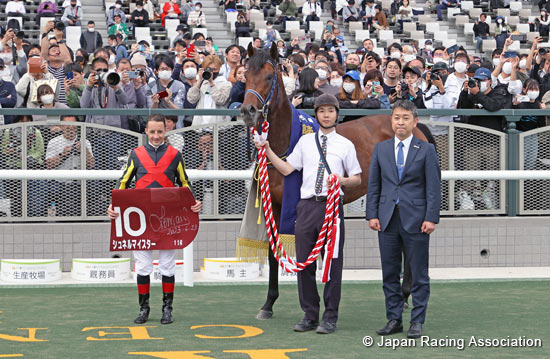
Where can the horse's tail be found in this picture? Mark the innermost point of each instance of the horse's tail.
(426, 131)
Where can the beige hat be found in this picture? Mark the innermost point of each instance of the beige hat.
(138, 60)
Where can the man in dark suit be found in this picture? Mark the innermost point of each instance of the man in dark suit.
(403, 203)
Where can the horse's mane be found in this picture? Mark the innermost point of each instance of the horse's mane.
(259, 59)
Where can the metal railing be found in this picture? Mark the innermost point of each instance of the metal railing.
(226, 145)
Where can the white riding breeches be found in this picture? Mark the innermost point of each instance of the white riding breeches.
(167, 262)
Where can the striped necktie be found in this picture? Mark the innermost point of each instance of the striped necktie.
(321, 168)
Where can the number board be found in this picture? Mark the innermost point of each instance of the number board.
(153, 218)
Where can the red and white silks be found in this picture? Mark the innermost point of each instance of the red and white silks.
(329, 235)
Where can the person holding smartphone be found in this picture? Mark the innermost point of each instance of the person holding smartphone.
(165, 92)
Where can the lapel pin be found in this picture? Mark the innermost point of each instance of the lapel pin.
(415, 146)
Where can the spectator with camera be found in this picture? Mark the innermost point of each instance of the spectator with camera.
(115, 10)
(307, 92)
(63, 153)
(74, 85)
(115, 41)
(72, 15)
(351, 96)
(119, 27)
(242, 26)
(479, 93)
(12, 71)
(140, 16)
(36, 75)
(392, 76)
(455, 81)
(90, 40)
(211, 91)
(196, 18)
(58, 55)
(505, 73)
(164, 92)
(132, 84)
(410, 88)
(238, 80)
(373, 88)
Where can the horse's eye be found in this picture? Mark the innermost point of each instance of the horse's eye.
(269, 77)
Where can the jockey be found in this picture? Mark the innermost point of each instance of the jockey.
(155, 165)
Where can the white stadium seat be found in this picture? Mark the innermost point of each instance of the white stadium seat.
(244, 41)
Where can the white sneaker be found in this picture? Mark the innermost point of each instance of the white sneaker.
(466, 203)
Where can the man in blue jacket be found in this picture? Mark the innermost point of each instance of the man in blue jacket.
(403, 201)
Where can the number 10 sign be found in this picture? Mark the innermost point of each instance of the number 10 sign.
(153, 218)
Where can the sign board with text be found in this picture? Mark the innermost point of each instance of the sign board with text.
(153, 218)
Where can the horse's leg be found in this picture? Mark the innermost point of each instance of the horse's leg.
(273, 291)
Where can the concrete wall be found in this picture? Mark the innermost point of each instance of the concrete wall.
(457, 242)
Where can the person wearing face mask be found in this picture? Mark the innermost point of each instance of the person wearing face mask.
(522, 72)
(90, 40)
(336, 76)
(210, 92)
(427, 51)
(46, 99)
(72, 15)
(8, 94)
(352, 62)
(197, 18)
(505, 74)
(140, 16)
(529, 100)
(394, 51)
(323, 70)
(116, 10)
(115, 42)
(501, 31)
(455, 81)
(175, 89)
(484, 96)
(271, 35)
(351, 96)
(408, 53)
(412, 92)
(119, 27)
(11, 72)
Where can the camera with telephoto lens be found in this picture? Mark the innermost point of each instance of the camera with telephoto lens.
(544, 50)
(207, 74)
(108, 78)
(473, 83)
(404, 89)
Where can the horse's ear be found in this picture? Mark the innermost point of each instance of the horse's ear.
(273, 52)
(251, 50)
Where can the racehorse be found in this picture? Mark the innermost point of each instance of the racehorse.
(265, 95)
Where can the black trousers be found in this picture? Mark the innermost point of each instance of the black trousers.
(309, 221)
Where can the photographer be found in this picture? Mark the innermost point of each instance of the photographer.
(307, 92)
(242, 26)
(211, 91)
(478, 93)
(410, 88)
(132, 85)
(28, 84)
(75, 85)
(455, 81)
(12, 71)
(164, 92)
(72, 15)
(541, 68)
(100, 92)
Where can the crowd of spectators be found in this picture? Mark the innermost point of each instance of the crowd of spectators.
(194, 74)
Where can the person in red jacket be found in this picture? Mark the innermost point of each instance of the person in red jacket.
(155, 165)
(170, 10)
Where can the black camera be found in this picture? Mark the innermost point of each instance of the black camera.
(434, 76)
(544, 50)
(404, 89)
(473, 83)
(207, 74)
(141, 73)
(308, 102)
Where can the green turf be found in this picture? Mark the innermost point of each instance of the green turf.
(456, 310)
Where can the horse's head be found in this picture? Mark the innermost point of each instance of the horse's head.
(261, 83)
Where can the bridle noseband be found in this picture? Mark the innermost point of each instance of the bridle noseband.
(267, 101)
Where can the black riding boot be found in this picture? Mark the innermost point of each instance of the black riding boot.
(167, 300)
(143, 309)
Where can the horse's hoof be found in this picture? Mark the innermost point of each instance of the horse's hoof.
(264, 314)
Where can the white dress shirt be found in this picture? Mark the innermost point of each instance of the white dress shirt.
(406, 146)
(341, 158)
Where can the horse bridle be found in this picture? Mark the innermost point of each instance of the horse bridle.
(267, 101)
